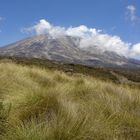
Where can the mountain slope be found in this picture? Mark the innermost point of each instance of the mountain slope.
(65, 49)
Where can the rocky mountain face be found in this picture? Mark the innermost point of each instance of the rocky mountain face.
(65, 49)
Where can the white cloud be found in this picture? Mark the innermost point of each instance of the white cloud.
(44, 27)
(136, 50)
(131, 13)
(89, 38)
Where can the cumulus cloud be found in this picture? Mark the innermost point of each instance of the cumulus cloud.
(44, 27)
(89, 38)
(136, 50)
(131, 13)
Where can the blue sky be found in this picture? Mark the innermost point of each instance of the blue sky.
(111, 16)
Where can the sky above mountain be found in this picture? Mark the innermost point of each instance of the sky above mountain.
(115, 24)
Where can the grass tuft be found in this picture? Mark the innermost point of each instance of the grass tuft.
(39, 104)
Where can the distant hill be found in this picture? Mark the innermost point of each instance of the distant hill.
(66, 49)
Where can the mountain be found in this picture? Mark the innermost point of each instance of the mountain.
(66, 49)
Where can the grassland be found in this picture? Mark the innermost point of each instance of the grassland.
(39, 103)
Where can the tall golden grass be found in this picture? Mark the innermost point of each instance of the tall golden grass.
(39, 104)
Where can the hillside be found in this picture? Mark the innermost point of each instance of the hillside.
(67, 49)
(116, 75)
(45, 102)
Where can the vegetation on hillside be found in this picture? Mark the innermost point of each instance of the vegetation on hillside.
(132, 76)
(39, 103)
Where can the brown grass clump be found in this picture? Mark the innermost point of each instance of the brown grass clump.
(50, 105)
